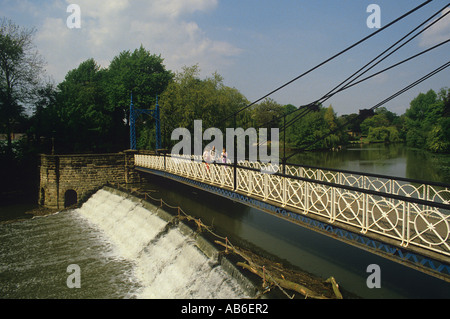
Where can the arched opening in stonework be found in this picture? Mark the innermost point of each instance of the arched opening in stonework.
(70, 198)
(42, 197)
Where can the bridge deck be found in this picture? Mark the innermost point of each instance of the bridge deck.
(409, 214)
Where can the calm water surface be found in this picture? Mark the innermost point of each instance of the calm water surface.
(394, 160)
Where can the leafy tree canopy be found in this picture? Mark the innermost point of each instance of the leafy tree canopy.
(188, 98)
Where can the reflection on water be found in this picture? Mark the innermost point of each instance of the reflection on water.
(395, 160)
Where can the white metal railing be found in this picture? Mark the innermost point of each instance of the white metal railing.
(410, 212)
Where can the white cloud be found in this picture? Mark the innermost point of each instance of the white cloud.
(177, 8)
(109, 27)
(438, 32)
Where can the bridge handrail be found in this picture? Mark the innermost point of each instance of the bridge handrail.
(427, 190)
(423, 222)
(352, 188)
(391, 185)
(404, 179)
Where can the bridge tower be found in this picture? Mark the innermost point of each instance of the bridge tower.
(134, 114)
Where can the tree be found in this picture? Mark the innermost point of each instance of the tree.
(316, 130)
(145, 76)
(438, 140)
(376, 121)
(85, 122)
(92, 108)
(330, 118)
(390, 116)
(427, 121)
(45, 117)
(352, 122)
(139, 72)
(20, 68)
(421, 107)
(383, 134)
(188, 98)
(267, 114)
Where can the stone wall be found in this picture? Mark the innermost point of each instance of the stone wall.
(69, 179)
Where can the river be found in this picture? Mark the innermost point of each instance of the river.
(395, 160)
(68, 238)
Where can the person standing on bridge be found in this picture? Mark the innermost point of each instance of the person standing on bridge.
(207, 158)
(224, 156)
(213, 154)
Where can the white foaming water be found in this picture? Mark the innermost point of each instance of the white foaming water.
(167, 264)
(123, 221)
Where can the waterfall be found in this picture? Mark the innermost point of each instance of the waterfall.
(166, 263)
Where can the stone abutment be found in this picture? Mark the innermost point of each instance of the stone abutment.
(66, 180)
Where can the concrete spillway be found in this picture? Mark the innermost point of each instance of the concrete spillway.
(169, 261)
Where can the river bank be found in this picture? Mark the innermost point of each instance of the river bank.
(18, 212)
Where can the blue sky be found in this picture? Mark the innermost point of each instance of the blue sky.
(256, 45)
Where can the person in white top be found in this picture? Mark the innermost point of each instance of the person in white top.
(207, 158)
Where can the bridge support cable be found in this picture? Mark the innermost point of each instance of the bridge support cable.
(349, 85)
(329, 94)
(331, 58)
(342, 86)
(391, 67)
(432, 73)
(297, 117)
(313, 106)
(306, 109)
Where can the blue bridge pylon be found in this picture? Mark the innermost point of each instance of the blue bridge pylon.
(134, 114)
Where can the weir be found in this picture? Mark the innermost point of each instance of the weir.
(171, 260)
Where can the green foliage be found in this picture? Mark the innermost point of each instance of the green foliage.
(384, 134)
(330, 118)
(188, 98)
(139, 72)
(438, 140)
(314, 130)
(427, 121)
(84, 120)
(144, 75)
(384, 127)
(267, 114)
(20, 68)
(376, 121)
(88, 111)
